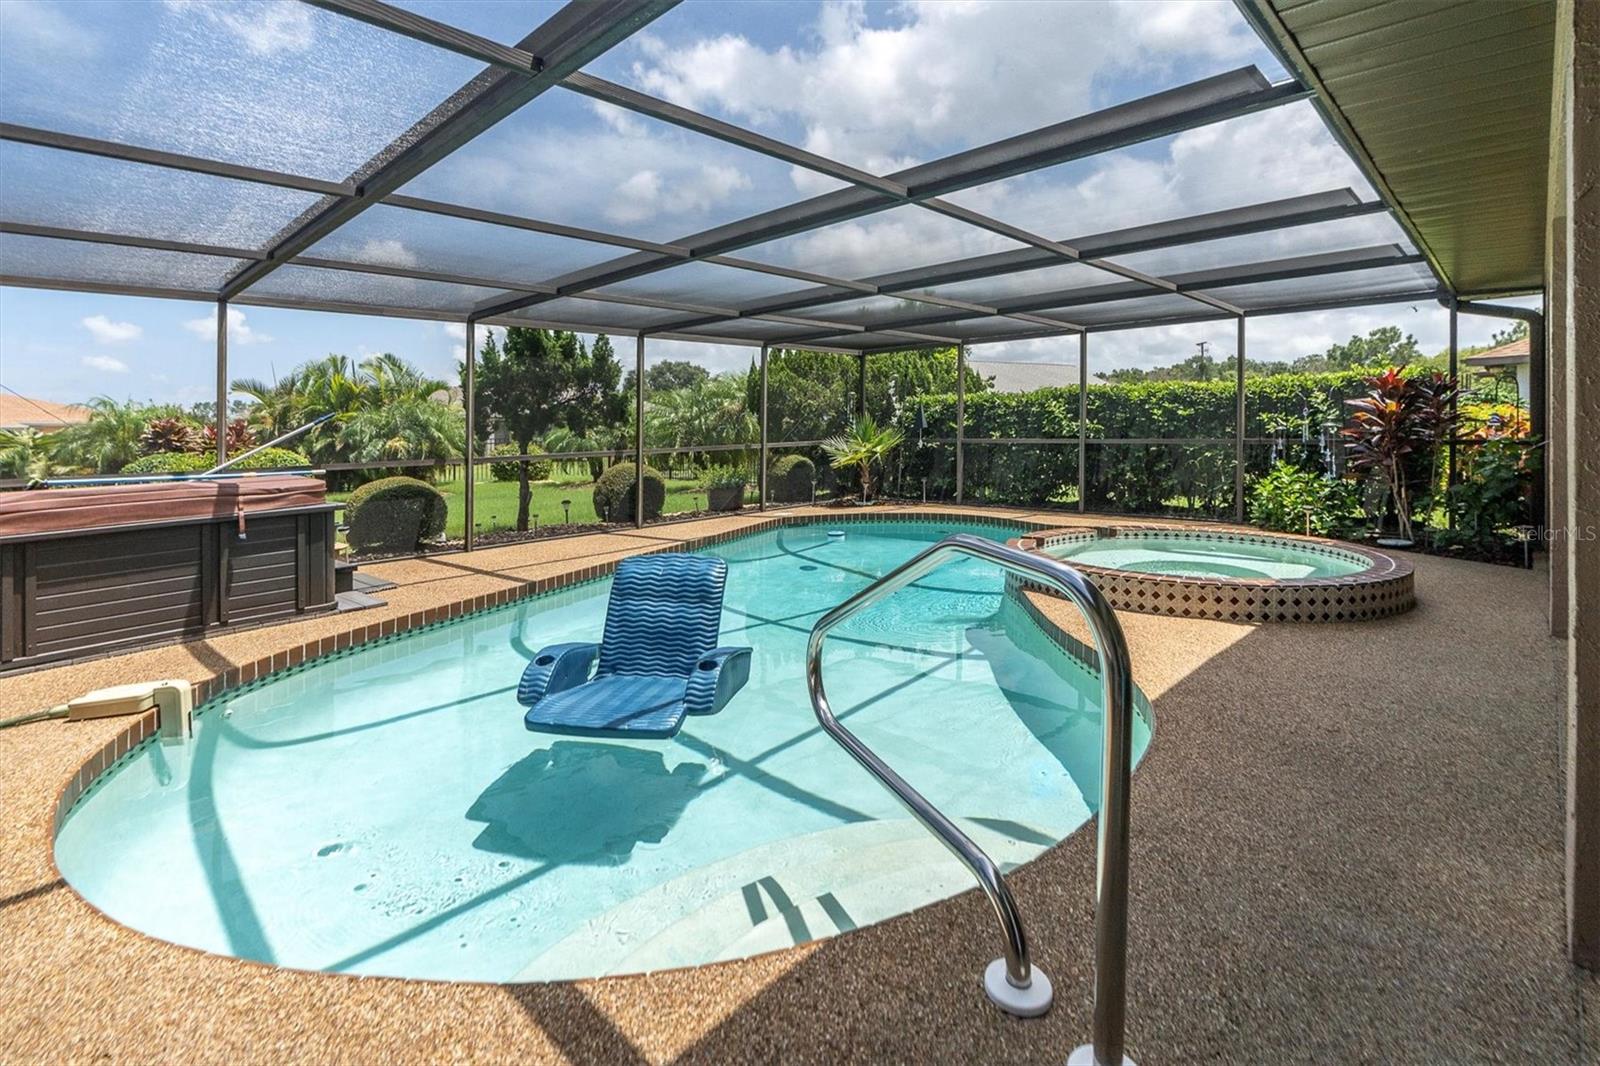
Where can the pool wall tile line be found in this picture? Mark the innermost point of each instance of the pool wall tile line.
(248, 673)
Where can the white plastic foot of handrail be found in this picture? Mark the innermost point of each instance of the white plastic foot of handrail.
(1027, 1002)
(1083, 1055)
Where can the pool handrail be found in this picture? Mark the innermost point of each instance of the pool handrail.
(1111, 875)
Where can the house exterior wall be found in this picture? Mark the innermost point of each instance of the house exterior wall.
(1574, 324)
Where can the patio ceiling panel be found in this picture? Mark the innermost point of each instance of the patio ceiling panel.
(51, 187)
(25, 256)
(286, 87)
(1447, 105)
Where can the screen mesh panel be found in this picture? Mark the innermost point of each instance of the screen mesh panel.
(279, 85)
(635, 175)
(752, 329)
(1271, 154)
(375, 290)
(1158, 307)
(51, 187)
(1363, 231)
(708, 283)
(1001, 288)
(80, 261)
(399, 237)
(896, 239)
(1410, 278)
(882, 86)
(594, 314)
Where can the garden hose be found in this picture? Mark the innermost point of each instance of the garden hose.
(59, 711)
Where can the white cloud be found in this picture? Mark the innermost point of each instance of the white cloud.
(264, 28)
(239, 331)
(643, 194)
(106, 331)
(945, 75)
(39, 33)
(105, 364)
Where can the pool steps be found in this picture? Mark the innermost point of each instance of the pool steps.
(790, 902)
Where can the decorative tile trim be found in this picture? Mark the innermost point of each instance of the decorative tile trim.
(299, 656)
(1385, 588)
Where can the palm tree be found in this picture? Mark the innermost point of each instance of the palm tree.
(384, 408)
(27, 453)
(110, 439)
(862, 445)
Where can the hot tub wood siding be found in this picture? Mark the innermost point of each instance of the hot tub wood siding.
(75, 595)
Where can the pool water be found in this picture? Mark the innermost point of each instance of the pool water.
(1195, 557)
(385, 811)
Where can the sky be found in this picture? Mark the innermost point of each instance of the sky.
(883, 86)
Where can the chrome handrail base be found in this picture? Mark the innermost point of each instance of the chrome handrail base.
(1083, 1055)
(1029, 1002)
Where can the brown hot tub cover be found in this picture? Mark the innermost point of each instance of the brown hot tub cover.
(47, 511)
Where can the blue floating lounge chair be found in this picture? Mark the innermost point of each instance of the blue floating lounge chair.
(658, 657)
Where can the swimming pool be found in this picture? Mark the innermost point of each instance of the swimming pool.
(385, 812)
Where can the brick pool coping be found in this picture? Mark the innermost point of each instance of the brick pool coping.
(1385, 588)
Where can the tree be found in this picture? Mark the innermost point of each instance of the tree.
(1382, 347)
(1515, 332)
(537, 380)
(27, 453)
(863, 444)
(672, 374)
(384, 408)
(110, 439)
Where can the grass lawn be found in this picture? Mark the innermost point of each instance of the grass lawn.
(497, 501)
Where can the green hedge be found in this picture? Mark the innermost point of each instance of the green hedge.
(394, 514)
(196, 463)
(791, 479)
(273, 459)
(537, 470)
(1149, 479)
(170, 463)
(613, 493)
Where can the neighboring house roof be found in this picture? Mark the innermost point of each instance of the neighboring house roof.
(24, 412)
(1025, 377)
(1509, 354)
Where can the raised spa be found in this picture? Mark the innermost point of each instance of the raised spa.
(383, 811)
(1233, 575)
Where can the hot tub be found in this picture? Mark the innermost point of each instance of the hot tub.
(84, 571)
(1232, 575)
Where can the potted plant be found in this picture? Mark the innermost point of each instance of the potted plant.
(724, 487)
(1400, 420)
(863, 444)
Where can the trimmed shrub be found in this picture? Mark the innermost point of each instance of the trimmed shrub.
(170, 463)
(537, 471)
(272, 459)
(790, 479)
(1292, 499)
(394, 514)
(613, 493)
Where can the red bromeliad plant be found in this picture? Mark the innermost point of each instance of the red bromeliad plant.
(1397, 419)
